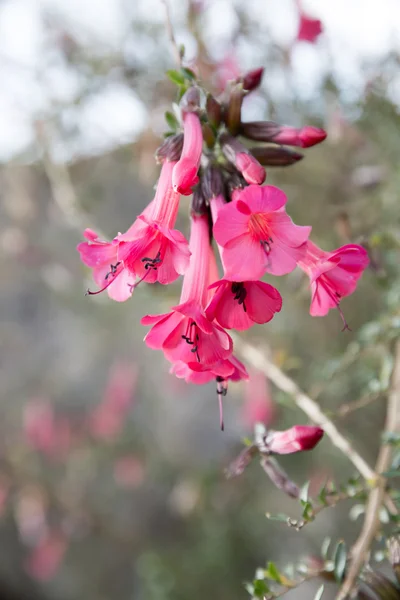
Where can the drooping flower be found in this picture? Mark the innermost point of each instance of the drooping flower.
(235, 304)
(184, 175)
(295, 439)
(333, 275)
(257, 235)
(185, 334)
(151, 249)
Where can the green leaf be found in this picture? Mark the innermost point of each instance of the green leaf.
(391, 437)
(322, 495)
(260, 588)
(176, 77)
(188, 73)
(339, 561)
(319, 593)
(272, 572)
(307, 513)
(304, 492)
(278, 517)
(391, 474)
(172, 121)
(325, 547)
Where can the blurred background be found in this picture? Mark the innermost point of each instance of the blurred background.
(111, 470)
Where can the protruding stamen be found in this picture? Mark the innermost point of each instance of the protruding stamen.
(345, 324)
(222, 390)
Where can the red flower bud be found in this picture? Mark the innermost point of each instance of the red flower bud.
(252, 79)
(295, 439)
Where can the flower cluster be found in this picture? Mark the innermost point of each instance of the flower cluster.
(207, 157)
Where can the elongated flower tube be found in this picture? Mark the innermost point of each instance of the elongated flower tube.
(185, 334)
(333, 275)
(268, 131)
(257, 235)
(239, 156)
(240, 304)
(184, 175)
(151, 249)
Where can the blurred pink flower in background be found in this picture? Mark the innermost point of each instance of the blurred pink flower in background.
(45, 559)
(44, 431)
(309, 28)
(258, 406)
(227, 69)
(129, 471)
(107, 419)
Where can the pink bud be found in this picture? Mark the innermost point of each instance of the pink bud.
(250, 168)
(252, 79)
(310, 136)
(295, 439)
(184, 174)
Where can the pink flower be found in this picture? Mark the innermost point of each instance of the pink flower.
(333, 275)
(185, 334)
(184, 175)
(239, 305)
(45, 560)
(305, 137)
(257, 235)
(295, 439)
(150, 249)
(309, 29)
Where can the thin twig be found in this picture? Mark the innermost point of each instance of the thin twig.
(170, 31)
(346, 409)
(259, 360)
(371, 523)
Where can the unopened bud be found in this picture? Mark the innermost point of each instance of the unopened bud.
(208, 135)
(279, 478)
(170, 149)
(268, 131)
(190, 101)
(275, 156)
(239, 156)
(233, 113)
(381, 585)
(295, 439)
(199, 205)
(394, 554)
(234, 185)
(212, 182)
(252, 79)
(214, 110)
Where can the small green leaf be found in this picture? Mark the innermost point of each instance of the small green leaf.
(307, 513)
(322, 495)
(260, 588)
(391, 474)
(278, 517)
(391, 437)
(188, 73)
(175, 77)
(319, 593)
(272, 572)
(304, 492)
(339, 561)
(172, 121)
(325, 547)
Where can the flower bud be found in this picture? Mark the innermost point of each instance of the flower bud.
(383, 588)
(199, 205)
(190, 101)
(279, 478)
(208, 135)
(295, 439)
(233, 113)
(252, 79)
(212, 182)
(170, 149)
(239, 155)
(235, 184)
(268, 131)
(214, 110)
(394, 554)
(275, 156)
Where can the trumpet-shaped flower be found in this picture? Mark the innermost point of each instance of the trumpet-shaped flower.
(333, 275)
(257, 235)
(151, 249)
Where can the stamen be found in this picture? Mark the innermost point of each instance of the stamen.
(188, 335)
(114, 273)
(345, 324)
(240, 293)
(222, 390)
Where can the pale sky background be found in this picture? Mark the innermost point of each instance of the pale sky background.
(355, 32)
